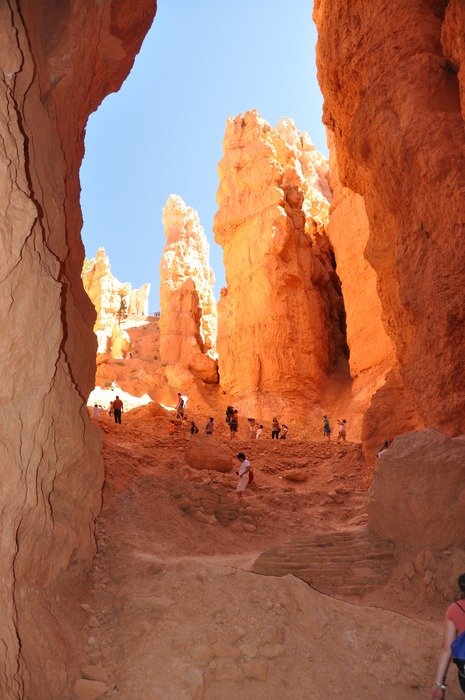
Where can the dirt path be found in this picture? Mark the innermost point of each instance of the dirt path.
(173, 611)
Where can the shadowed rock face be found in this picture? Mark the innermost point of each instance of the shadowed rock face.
(392, 101)
(58, 62)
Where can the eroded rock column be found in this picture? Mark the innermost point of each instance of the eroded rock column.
(281, 318)
(58, 62)
(188, 318)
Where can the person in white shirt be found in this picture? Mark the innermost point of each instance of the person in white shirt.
(259, 432)
(243, 474)
(341, 435)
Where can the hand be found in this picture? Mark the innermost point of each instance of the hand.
(437, 693)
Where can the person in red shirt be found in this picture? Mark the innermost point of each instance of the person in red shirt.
(454, 625)
(117, 409)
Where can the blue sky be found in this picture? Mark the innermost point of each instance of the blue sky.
(162, 132)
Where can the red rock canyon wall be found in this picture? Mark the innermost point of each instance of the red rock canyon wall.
(58, 61)
(392, 101)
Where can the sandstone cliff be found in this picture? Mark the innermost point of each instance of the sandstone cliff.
(281, 318)
(392, 100)
(116, 304)
(58, 62)
(188, 321)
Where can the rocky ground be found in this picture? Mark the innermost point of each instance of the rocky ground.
(174, 609)
(283, 595)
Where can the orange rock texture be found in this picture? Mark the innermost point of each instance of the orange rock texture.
(116, 303)
(349, 231)
(188, 321)
(392, 101)
(58, 62)
(281, 314)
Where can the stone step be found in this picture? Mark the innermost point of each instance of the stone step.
(350, 563)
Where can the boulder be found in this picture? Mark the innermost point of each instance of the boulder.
(417, 498)
(206, 452)
(295, 475)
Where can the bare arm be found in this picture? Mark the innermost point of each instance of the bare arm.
(449, 635)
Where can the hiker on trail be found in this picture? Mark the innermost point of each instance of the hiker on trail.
(96, 411)
(117, 409)
(252, 427)
(243, 473)
(210, 426)
(110, 409)
(229, 414)
(384, 447)
(326, 428)
(259, 432)
(275, 429)
(284, 432)
(341, 434)
(180, 407)
(453, 644)
(234, 423)
(193, 429)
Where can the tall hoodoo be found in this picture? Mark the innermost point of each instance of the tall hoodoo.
(392, 100)
(281, 317)
(58, 61)
(188, 320)
(117, 305)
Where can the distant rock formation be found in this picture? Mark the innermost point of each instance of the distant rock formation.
(116, 304)
(188, 319)
(281, 317)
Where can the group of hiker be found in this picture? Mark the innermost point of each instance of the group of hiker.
(115, 409)
(255, 428)
(342, 429)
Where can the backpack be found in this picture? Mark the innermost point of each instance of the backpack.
(457, 650)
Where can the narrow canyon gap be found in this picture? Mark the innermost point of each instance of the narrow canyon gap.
(59, 60)
(393, 89)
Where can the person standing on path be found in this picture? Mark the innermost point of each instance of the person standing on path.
(326, 428)
(210, 426)
(193, 429)
(275, 429)
(454, 625)
(259, 432)
(117, 409)
(180, 407)
(341, 434)
(243, 474)
(234, 424)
